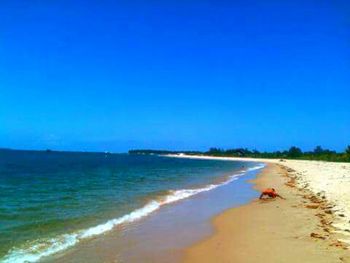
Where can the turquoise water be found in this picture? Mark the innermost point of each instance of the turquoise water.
(50, 201)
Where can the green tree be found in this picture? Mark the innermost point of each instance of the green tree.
(347, 150)
(294, 152)
(318, 150)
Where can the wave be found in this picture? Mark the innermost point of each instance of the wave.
(38, 249)
(260, 166)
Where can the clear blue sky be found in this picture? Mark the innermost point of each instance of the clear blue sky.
(114, 75)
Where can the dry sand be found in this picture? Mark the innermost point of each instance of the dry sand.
(273, 230)
(312, 225)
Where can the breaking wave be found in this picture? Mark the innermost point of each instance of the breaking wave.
(38, 249)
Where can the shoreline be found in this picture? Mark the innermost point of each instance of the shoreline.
(274, 230)
(161, 236)
(329, 180)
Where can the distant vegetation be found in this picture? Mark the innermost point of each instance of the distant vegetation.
(293, 153)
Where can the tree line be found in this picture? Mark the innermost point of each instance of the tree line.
(293, 152)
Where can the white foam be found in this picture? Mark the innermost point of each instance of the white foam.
(43, 248)
(109, 225)
(260, 166)
(182, 194)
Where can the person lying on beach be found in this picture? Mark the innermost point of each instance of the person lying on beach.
(270, 192)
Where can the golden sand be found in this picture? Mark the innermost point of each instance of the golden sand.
(298, 229)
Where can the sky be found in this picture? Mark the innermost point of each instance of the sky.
(177, 75)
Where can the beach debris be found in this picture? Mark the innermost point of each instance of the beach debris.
(313, 206)
(321, 194)
(305, 186)
(314, 199)
(339, 244)
(315, 235)
(328, 212)
(345, 259)
(325, 222)
(326, 230)
(290, 184)
(320, 215)
(341, 215)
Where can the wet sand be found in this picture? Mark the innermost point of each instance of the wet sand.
(163, 235)
(294, 230)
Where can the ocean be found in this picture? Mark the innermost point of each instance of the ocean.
(51, 201)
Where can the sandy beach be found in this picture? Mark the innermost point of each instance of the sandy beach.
(312, 225)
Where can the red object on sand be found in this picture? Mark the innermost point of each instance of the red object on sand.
(270, 192)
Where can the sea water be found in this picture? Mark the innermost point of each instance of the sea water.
(51, 201)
